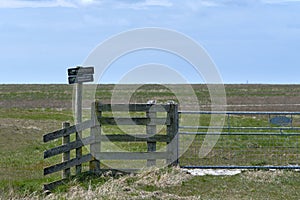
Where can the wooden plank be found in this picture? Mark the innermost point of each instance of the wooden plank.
(135, 138)
(66, 155)
(52, 185)
(78, 120)
(133, 107)
(151, 130)
(67, 131)
(172, 132)
(133, 121)
(131, 155)
(64, 148)
(95, 146)
(126, 138)
(105, 138)
(71, 163)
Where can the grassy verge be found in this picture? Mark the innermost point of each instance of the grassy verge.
(24, 120)
(172, 183)
(21, 145)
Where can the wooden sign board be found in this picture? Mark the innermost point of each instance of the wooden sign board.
(81, 78)
(80, 71)
(80, 75)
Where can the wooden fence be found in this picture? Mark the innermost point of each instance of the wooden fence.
(96, 138)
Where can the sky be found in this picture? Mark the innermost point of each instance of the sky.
(250, 41)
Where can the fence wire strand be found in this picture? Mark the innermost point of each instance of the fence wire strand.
(247, 139)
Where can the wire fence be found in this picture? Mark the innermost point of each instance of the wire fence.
(244, 140)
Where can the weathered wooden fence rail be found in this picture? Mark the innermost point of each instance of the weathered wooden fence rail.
(96, 138)
(65, 149)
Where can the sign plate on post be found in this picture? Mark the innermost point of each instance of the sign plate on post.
(80, 71)
(81, 78)
(80, 75)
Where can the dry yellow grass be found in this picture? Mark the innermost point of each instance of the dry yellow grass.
(125, 187)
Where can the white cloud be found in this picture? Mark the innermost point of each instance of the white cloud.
(88, 2)
(279, 1)
(195, 5)
(213, 3)
(145, 4)
(35, 4)
(138, 4)
(133, 4)
(164, 3)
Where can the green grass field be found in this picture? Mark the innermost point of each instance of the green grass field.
(29, 111)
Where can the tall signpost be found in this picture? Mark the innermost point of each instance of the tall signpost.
(79, 75)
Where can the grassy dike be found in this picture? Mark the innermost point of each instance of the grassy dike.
(29, 111)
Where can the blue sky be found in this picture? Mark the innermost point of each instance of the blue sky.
(254, 41)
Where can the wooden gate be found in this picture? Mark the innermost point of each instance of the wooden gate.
(149, 115)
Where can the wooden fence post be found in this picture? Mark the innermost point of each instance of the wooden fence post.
(151, 130)
(78, 120)
(172, 132)
(66, 155)
(95, 134)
